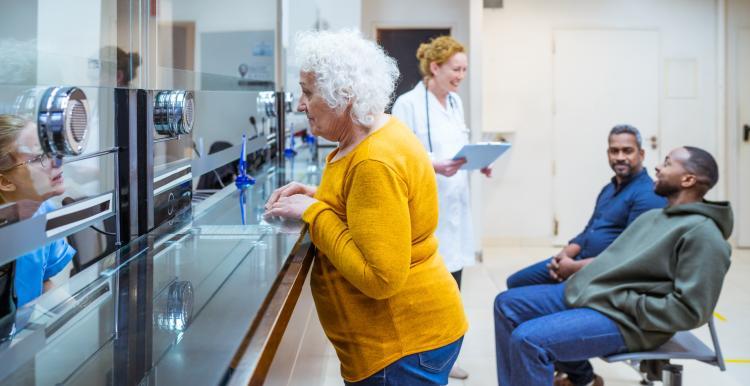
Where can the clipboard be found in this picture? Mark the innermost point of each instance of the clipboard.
(482, 154)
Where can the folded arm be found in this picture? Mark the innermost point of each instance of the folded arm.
(372, 249)
(702, 263)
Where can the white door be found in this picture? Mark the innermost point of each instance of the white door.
(601, 78)
(743, 206)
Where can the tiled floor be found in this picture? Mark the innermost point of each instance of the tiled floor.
(483, 281)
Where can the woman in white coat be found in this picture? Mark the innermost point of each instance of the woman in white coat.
(434, 111)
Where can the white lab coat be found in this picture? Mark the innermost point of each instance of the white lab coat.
(455, 232)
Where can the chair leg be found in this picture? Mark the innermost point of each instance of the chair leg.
(672, 375)
(653, 369)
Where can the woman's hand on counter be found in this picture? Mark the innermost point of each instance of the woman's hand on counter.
(487, 171)
(291, 207)
(288, 190)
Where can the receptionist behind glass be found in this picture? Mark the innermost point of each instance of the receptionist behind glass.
(29, 175)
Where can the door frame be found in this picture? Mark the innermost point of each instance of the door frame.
(733, 129)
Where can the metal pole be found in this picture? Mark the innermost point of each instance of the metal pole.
(280, 128)
(279, 86)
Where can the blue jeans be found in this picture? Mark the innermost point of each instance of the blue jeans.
(535, 330)
(531, 275)
(428, 368)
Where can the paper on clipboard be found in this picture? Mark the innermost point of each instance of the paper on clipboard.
(479, 155)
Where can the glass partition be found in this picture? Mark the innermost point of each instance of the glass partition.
(183, 294)
(59, 66)
(71, 74)
(224, 53)
(114, 104)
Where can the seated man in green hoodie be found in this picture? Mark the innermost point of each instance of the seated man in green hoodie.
(663, 274)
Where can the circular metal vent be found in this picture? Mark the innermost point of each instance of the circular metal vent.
(78, 121)
(177, 313)
(63, 121)
(189, 111)
(174, 112)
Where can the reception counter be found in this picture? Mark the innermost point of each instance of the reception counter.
(201, 300)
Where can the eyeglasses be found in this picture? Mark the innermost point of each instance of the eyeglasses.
(45, 160)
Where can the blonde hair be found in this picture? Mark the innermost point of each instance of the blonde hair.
(438, 50)
(10, 127)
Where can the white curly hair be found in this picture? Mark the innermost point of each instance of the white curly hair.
(348, 68)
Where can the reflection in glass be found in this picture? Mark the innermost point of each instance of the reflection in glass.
(175, 310)
(123, 66)
(7, 301)
(223, 55)
(25, 176)
(35, 180)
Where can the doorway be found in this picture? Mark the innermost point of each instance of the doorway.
(176, 54)
(743, 206)
(402, 45)
(601, 78)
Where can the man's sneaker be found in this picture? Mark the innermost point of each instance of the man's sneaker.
(458, 373)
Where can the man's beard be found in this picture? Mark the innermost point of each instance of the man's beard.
(625, 174)
(665, 190)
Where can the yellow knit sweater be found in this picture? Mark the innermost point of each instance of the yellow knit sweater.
(380, 287)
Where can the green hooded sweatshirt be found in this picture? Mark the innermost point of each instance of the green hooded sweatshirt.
(662, 275)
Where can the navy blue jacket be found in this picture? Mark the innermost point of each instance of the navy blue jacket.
(615, 210)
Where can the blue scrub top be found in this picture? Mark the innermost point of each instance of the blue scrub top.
(33, 268)
(617, 207)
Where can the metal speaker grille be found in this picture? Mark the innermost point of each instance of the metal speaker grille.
(188, 112)
(78, 121)
(62, 121)
(174, 112)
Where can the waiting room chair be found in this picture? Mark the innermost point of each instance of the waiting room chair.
(684, 345)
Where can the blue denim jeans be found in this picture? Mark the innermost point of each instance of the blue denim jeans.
(531, 275)
(428, 368)
(535, 330)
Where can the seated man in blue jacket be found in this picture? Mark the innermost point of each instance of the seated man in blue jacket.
(620, 202)
(662, 275)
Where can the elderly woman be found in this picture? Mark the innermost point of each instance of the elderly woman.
(383, 294)
(27, 174)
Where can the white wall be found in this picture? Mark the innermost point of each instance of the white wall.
(518, 91)
(737, 17)
(474, 112)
